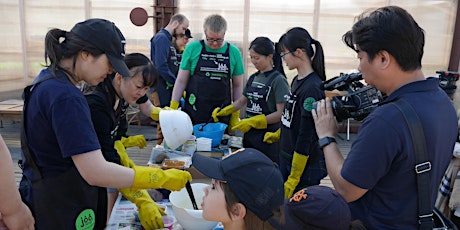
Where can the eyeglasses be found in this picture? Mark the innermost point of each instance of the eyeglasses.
(212, 40)
(284, 54)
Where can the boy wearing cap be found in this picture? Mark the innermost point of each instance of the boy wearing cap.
(246, 192)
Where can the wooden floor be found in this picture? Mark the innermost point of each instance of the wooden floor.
(10, 133)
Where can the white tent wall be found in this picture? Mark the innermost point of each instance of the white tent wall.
(25, 23)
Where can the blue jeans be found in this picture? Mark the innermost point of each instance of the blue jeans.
(312, 174)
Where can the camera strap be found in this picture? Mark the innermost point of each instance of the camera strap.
(422, 164)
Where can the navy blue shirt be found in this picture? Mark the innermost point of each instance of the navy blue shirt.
(159, 53)
(58, 125)
(382, 157)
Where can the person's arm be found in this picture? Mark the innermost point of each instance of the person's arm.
(98, 172)
(181, 84)
(326, 126)
(237, 87)
(13, 212)
(240, 103)
(275, 116)
(146, 107)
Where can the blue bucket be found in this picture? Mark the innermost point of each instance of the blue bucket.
(215, 131)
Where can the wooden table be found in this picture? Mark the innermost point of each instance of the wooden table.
(11, 110)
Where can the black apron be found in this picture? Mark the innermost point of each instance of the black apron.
(256, 105)
(66, 201)
(173, 61)
(209, 87)
(107, 93)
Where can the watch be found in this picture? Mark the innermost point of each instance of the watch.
(323, 142)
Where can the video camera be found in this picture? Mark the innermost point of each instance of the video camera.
(447, 81)
(358, 103)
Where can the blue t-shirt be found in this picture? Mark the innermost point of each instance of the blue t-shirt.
(58, 125)
(382, 158)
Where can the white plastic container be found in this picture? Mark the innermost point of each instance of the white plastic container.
(203, 144)
(190, 145)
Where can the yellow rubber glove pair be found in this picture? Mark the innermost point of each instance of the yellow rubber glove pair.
(298, 165)
(257, 122)
(149, 212)
(147, 177)
(138, 140)
(155, 112)
(272, 137)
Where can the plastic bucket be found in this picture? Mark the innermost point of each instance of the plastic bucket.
(214, 131)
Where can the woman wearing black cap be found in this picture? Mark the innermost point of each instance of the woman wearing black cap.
(63, 167)
(108, 103)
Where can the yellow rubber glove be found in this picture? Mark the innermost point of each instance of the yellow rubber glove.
(218, 112)
(298, 165)
(149, 212)
(174, 105)
(234, 119)
(257, 122)
(138, 140)
(272, 137)
(124, 158)
(171, 179)
(155, 112)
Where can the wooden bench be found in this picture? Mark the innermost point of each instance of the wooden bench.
(11, 110)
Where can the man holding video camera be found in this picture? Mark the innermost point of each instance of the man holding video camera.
(378, 177)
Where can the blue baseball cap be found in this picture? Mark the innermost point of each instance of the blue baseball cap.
(252, 176)
(317, 207)
(107, 37)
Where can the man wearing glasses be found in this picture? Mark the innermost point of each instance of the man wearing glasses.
(211, 72)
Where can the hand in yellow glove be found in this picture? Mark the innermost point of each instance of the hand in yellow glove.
(149, 212)
(174, 105)
(155, 112)
(138, 140)
(171, 179)
(257, 122)
(124, 158)
(234, 119)
(272, 137)
(218, 112)
(298, 165)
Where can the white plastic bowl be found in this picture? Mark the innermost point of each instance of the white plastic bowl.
(187, 217)
(176, 127)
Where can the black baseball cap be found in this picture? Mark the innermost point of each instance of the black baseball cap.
(188, 33)
(317, 207)
(252, 176)
(107, 37)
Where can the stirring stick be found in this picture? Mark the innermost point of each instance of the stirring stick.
(188, 186)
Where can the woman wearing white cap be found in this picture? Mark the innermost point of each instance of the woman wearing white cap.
(62, 162)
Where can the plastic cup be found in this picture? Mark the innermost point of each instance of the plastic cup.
(168, 222)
